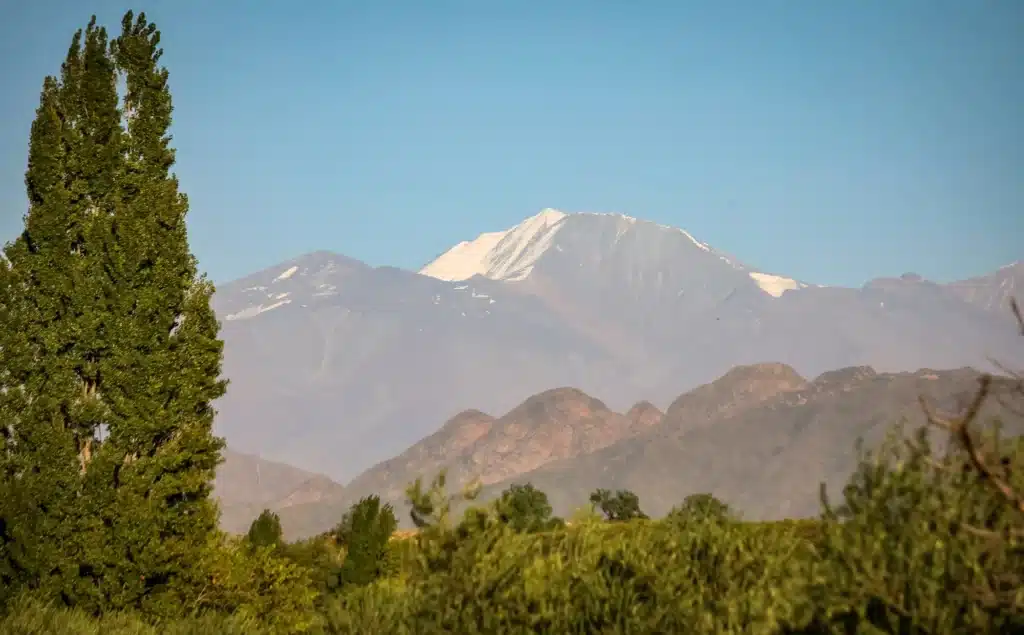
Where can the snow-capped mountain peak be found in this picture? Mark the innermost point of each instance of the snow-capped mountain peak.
(512, 255)
(507, 255)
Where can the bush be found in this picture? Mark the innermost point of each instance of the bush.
(321, 558)
(637, 576)
(256, 583)
(921, 545)
(27, 616)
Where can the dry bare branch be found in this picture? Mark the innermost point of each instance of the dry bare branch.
(960, 430)
(993, 535)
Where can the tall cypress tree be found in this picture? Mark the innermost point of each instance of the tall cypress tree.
(53, 327)
(156, 466)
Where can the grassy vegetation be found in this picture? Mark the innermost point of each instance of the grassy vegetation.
(922, 542)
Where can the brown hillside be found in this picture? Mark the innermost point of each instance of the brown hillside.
(760, 437)
(768, 459)
(245, 485)
(389, 478)
(553, 425)
(644, 414)
(741, 388)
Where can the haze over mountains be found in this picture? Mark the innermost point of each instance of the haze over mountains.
(336, 365)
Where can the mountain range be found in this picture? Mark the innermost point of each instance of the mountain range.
(761, 437)
(336, 366)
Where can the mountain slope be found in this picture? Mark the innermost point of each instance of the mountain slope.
(761, 437)
(682, 312)
(336, 365)
(767, 459)
(552, 425)
(992, 292)
(245, 485)
(741, 388)
(560, 424)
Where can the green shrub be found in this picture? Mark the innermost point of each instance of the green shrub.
(921, 545)
(322, 558)
(381, 607)
(31, 617)
(256, 583)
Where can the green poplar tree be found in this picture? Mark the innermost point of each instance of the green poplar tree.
(109, 351)
(54, 329)
(163, 369)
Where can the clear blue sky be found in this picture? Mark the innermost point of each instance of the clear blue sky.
(832, 141)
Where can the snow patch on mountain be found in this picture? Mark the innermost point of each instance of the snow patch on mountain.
(775, 285)
(464, 260)
(288, 273)
(507, 255)
(632, 220)
(519, 250)
(699, 244)
(253, 311)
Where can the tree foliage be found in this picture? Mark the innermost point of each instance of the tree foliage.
(618, 506)
(265, 531)
(110, 350)
(701, 508)
(431, 507)
(54, 332)
(369, 530)
(525, 508)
